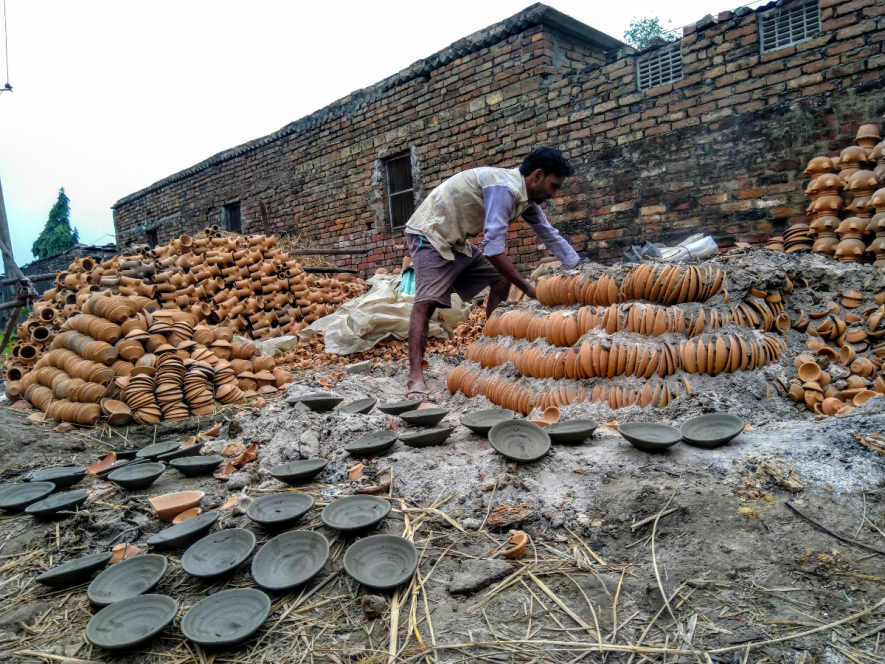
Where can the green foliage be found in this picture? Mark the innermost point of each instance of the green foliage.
(57, 235)
(642, 30)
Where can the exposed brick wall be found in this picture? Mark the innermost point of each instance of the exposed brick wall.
(719, 151)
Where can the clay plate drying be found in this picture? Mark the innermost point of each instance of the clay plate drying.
(227, 617)
(320, 403)
(482, 421)
(519, 440)
(299, 472)
(138, 476)
(426, 438)
(196, 465)
(131, 622)
(49, 507)
(381, 562)
(279, 510)
(16, 497)
(218, 553)
(182, 452)
(712, 430)
(425, 417)
(358, 407)
(372, 443)
(355, 513)
(650, 437)
(571, 431)
(184, 534)
(290, 560)
(74, 572)
(151, 452)
(103, 474)
(397, 407)
(63, 477)
(127, 578)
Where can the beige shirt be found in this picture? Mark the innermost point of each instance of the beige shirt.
(455, 210)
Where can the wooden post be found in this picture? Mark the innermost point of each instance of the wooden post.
(5, 239)
(10, 326)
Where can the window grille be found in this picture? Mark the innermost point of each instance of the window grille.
(151, 237)
(233, 222)
(399, 190)
(660, 67)
(785, 26)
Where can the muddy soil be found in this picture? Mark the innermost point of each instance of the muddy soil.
(737, 566)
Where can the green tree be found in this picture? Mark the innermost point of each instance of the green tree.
(643, 30)
(57, 235)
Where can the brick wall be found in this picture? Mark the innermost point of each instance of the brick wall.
(720, 150)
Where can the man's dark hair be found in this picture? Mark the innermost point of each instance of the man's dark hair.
(549, 160)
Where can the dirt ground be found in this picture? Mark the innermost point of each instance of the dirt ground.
(745, 578)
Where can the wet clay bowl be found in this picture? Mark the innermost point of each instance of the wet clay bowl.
(152, 452)
(75, 571)
(426, 438)
(425, 417)
(571, 431)
(218, 553)
(128, 578)
(196, 465)
(290, 559)
(321, 403)
(355, 513)
(650, 437)
(372, 443)
(519, 440)
(279, 510)
(398, 407)
(358, 407)
(49, 507)
(131, 622)
(481, 421)
(63, 477)
(299, 472)
(381, 562)
(227, 617)
(103, 474)
(138, 476)
(712, 430)
(170, 505)
(182, 452)
(16, 497)
(183, 534)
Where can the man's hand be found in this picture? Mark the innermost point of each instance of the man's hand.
(508, 271)
(530, 292)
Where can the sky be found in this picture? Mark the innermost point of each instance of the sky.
(109, 97)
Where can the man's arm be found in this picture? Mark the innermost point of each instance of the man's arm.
(498, 203)
(535, 217)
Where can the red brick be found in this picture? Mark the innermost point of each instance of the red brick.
(714, 199)
(749, 193)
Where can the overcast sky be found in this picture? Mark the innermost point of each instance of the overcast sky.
(110, 97)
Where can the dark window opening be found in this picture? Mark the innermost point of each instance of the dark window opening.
(152, 238)
(400, 196)
(232, 220)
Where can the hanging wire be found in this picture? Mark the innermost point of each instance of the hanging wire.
(7, 87)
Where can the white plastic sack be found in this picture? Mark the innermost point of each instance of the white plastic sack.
(271, 347)
(358, 325)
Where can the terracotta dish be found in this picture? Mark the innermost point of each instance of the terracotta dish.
(279, 510)
(712, 430)
(355, 513)
(519, 440)
(290, 560)
(169, 505)
(481, 421)
(381, 562)
(131, 622)
(299, 472)
(128, 578)
(226, 617)
(75, 571)
(218, 553)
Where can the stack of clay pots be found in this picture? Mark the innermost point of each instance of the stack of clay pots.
(817, 390)
(846, 196)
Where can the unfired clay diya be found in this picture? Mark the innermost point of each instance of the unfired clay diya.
(381, 562)
(712, 430)
(226, 617)
(131, 622)
(355, 513)
(279, 510)
(128, 578)
(299, 472)
(290, 560)
(519, 440)
(218, 553)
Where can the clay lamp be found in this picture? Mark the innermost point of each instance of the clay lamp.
(123, 552)
(519, 542)
(102, 465)
(868, 136)
(862, 397)
(825, 185)
(551, 415)
(810, 371)
(853, 156)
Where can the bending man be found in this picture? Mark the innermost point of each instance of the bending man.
(478, 201)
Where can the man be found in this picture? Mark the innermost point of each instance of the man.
(478, 201)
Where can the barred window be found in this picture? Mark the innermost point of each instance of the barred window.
(400, 192)
(785, 26)
(661, 66)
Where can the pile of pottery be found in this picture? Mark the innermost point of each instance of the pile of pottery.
(848, 200)
(245, 283)
(625, 352)
(148, 364)
(817, 389)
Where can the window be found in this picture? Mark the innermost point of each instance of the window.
(785, 26)
(231, 218)
(660, 67)
(401, 198)
(152, 237)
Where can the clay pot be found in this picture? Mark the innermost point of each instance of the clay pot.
(867, 136)
(810, 371)
(517, 551)
(551, 415)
